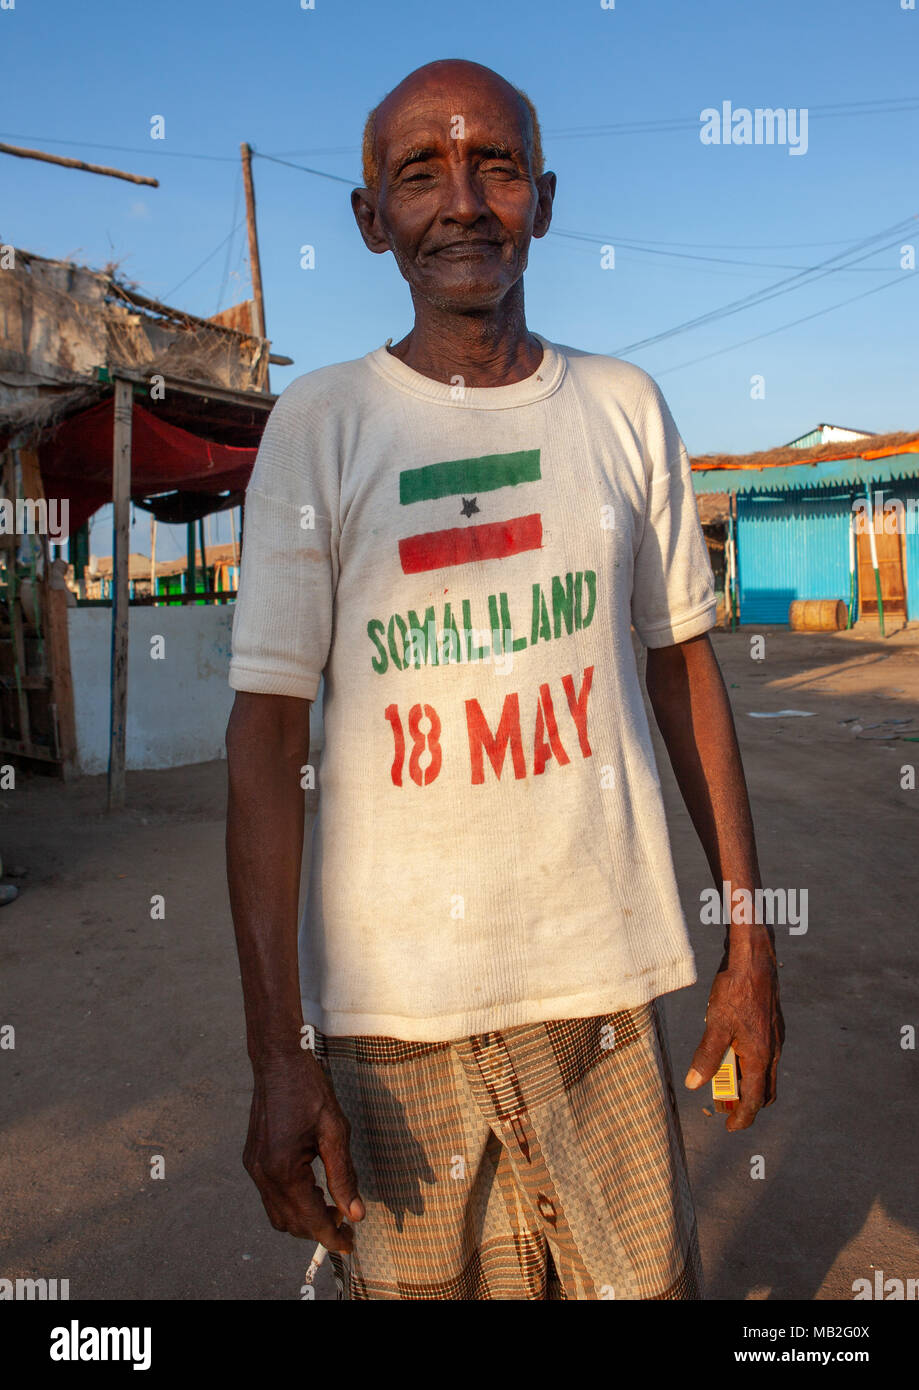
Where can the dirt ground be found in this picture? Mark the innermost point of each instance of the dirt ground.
(129, 1040)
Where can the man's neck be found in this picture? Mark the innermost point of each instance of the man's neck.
(482, 349)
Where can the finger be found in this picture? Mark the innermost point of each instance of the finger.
(707, 1057)
(339, 1238)
(772, 1084)
(331, 1232)
(752, 1095)
(341, 1178)
(307, 1216)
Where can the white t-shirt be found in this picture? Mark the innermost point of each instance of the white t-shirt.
(464, 566)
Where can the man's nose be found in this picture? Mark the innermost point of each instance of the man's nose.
(464, 199)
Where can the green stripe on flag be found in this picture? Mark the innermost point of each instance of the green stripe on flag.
(468, 476)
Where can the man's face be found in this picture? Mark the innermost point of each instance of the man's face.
(456, 204)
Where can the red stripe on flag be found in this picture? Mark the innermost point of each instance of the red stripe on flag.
(462, 544)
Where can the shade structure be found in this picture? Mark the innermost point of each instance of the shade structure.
(833, 473)
(76, 461)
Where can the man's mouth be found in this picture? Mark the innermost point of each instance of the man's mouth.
(460, 249)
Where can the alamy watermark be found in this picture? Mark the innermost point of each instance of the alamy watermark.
(34, 1290)
(80, 1342)
(886, 1290)
(35, 516)
(761, 126)
(887, 516)
(784, 907)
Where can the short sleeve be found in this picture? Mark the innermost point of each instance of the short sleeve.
(673, 590)
(282, 625)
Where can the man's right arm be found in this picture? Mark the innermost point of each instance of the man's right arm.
(294, 1115)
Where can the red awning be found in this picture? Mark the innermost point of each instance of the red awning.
(76, 461)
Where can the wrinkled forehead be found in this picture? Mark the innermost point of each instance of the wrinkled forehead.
(433, 114)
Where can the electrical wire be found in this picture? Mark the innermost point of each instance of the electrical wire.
(719, 352)
(728, 246)
(203, 263)
(877, 106)
(745, 273)
(648, 250)
(780, 287)
(226, 267)
(320, 173)
(326, 149)
(882, 106)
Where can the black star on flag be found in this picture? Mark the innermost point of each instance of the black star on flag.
(469, 506)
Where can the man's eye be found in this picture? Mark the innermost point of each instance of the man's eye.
(419, 174)
(498, 169)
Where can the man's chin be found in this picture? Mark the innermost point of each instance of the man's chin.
(478, 297)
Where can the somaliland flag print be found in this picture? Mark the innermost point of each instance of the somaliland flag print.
(467, 480)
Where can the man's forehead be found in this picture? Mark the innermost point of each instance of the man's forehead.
(438, 135)
(423, 114)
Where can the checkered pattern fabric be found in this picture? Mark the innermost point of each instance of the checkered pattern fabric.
(541, 1162)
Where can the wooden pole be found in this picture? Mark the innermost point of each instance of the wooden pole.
(78, 164)
(121, 493)
(874, 559)
(61, 677)
(15, 608)
(153, 556)
(853, 567)
(78, 555)
(730, 562)
(204, 579)
(255, 265)
(191, 577)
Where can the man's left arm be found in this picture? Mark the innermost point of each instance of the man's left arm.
(693, 713)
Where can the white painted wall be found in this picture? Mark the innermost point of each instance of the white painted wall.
(178, 706)
(835, 434)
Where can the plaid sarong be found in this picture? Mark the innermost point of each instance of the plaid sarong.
(540, 1162)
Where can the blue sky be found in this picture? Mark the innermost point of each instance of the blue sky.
(686, 219)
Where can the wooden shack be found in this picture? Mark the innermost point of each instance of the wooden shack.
(106, 396)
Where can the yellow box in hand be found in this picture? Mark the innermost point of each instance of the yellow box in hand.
(725, 1088)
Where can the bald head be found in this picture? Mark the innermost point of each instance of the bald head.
(457, 76)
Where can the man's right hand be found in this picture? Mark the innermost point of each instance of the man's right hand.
(294, 1118)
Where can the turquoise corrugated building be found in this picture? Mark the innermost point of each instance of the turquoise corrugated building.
(790, 515)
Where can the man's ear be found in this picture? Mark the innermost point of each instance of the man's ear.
(364, 207)
(545, 187)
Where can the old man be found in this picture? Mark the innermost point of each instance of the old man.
(465, 1092)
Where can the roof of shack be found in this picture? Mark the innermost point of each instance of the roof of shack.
(199, 402)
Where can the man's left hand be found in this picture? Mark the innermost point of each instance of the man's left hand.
(743, 1013)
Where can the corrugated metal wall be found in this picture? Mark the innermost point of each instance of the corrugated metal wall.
(807, 441)
(791, 545)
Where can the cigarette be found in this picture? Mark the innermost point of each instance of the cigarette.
(319, 1255)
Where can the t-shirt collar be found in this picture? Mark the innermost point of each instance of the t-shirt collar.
(546, 379)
